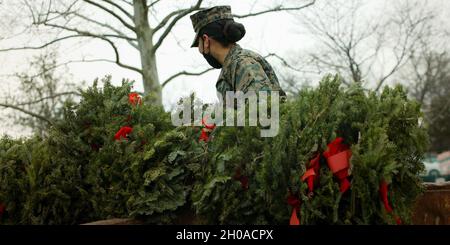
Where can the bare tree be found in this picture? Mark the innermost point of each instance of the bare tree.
(428, 75)
(428, 65)
(430, 79)
(362, 47)
(127, 21)
(41, 95)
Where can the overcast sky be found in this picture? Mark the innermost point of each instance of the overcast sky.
(271, 33)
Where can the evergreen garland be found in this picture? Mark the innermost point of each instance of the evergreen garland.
(114, 155)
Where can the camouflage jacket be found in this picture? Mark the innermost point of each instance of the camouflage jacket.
(244, 70)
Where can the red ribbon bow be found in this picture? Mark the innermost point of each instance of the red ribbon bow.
(123, 132)
(384, 198)
(134, 98)
(295, 203)
(312, 173)
(206, 130)
(338, 157)
(204, 136)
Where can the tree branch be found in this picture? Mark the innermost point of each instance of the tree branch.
(103, 37)
(126, 24)
(185, 73)
(42, 46)
(152, 4)
(166, 19)
(82, 32)
(276, 9)
(27, 112)
(129, 39)
(45, 17)
(173, 22)
(125, 1)
(63, 64)
(285, 63)
(120, 8)
(116, 52)
(406, 45)
(49, 97)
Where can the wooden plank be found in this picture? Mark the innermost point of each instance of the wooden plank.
(433, 207)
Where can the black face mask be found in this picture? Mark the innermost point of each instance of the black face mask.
(211, 60)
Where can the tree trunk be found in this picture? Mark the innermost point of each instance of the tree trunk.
(148, 57)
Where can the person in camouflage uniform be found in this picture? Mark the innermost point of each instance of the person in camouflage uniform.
(242, 70)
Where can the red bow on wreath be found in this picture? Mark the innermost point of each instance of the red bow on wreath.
(295, 203)
(312, 173)
(134, 98)
(123, 132)
(338, 157)
(384, 198)
(206, 130)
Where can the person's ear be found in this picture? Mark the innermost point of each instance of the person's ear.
(200, 45)
(206, 43)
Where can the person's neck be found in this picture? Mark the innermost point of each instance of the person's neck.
(222, 54)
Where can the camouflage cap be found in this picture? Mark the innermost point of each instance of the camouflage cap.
(207, 16)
